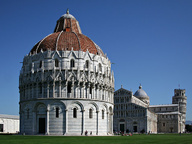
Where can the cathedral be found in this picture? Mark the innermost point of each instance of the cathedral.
(66, 84)
(133, 113)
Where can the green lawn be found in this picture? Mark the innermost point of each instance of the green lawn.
(135, 139)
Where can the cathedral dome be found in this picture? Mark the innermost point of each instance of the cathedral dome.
(141, 94)
(67, 36)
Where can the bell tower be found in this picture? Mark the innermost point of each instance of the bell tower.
(180, 99)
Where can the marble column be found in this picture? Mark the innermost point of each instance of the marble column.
(32, 90)
(97, 126)
(53, 89)
(48, 90)
(72, 90)
(111, 123)
(28, 91)
(66, 120)
(77, 90)
(37, 90)
(59, 87)
(93, 92)
(96, 95)
(47, 129)
(105, 94)
(87, 92)
(42, 87)
(83, 122)
(65, 88)
(83, 90)
(34, 123)
(23, 121)
(107, 122)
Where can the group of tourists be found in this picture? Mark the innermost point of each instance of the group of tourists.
(86, 133)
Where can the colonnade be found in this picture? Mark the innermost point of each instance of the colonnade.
(47, 114)
(60, 89)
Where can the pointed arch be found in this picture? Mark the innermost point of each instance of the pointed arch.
(72, 55)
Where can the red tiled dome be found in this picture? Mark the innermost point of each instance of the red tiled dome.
(67, 36)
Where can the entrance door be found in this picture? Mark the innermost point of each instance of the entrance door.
(42, 125)
(1, 127)
(171, 129)
(134, 128)
(122, 127)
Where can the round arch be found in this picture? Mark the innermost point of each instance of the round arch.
(96, 106)
(76, 102)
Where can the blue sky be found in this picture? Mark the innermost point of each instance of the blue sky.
(150, 42)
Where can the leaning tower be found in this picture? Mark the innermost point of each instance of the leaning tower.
(180, 99)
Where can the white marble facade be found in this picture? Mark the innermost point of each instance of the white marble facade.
(9, 123)
(66, 91)
(133, 113)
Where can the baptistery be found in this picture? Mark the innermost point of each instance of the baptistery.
(66, 85)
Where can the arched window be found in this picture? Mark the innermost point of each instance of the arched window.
(74, 112)
(56, 63)
(40, 64)
(87, 64)
(90, 113)
(40, 88)
(57, 112)
(69, 88)
(100, 67)
(27, 113)
(72, 63)
(30, 90)
(103, 112)
(90, 90)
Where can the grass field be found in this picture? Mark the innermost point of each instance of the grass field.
(135, 139)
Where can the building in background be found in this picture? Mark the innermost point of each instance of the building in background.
(188, 126)
(133, 113)
(9, 123)
(66, 84)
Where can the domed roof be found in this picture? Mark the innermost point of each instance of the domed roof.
(67, 15)
(140, 92)
(67, 36)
